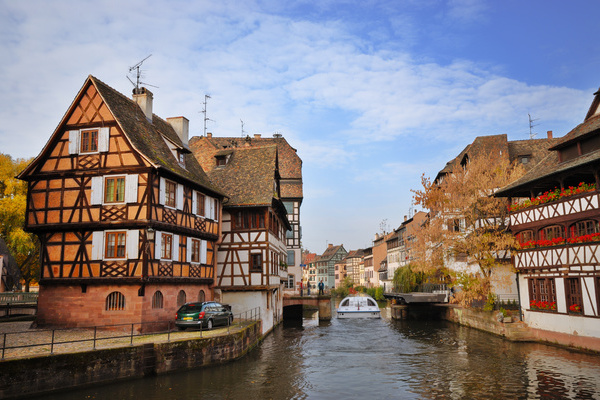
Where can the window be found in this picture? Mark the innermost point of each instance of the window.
(524, 159)
(289, 206)
(290, 282)
(157, 299)
(256, 261)
(552, 232)
(574, 296)
(454, 225)
(247, 219)
(181, 298)
(166, 248)
(524, 236)
(582, 228)
(221, 161)
(542, 290)
(115, 245)
(115, 301)
(199, 204)
(291, 257)
(114, 189)
(170, 194)
(201, 296)
(195, 257)
(89, 141)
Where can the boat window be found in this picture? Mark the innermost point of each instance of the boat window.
(344, 303)
(371, 303)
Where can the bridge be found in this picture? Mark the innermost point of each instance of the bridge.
(438, 296)
(10, 301)
(294, 303)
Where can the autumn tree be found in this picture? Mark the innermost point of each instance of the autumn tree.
(467, 222)
(23, 246)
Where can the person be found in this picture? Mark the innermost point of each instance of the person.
(301, 291)
(321, 287)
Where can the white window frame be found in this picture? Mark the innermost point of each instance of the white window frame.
(97, 190)
(103, 140)
(203, 251)
(162, 196)
(132, 240)
(174, 246)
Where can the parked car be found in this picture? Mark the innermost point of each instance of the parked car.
(205, 315)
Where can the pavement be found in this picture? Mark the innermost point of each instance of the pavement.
(21, 339)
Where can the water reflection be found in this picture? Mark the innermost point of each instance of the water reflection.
(377, 359)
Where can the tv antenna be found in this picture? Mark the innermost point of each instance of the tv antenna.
(138, 74)
(206, 97)
(531, 125)
(243, 131)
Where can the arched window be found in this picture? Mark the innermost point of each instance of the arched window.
(115, 301)
(201, 296)
(582, 228)
(552, 232)
(524, 236)
(157, 299)
(181, 298)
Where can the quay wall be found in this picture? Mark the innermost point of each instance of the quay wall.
(516, 331)
(21, 378)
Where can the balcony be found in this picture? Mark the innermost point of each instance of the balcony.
(572, 256)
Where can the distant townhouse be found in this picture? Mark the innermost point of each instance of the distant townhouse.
(555, 216)
(309, 272)
(366, 267)
(127, 220)
(251, 262)
(353, 261)
(290, 171)
(325, 264)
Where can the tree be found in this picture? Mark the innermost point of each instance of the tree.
(467, 221)
(23, 246)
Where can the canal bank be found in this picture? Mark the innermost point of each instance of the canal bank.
(24, 377)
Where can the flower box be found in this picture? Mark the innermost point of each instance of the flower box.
(550, 196)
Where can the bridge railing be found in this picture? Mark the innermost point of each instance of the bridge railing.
(431, 287)
(18, 298)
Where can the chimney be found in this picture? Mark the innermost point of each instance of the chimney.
(143, 97)
(181, 125)
(257, 136)
(330, 245)
(405, 218)
(549, 134)
(209, 135)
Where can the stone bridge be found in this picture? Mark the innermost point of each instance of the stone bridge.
(320, 302)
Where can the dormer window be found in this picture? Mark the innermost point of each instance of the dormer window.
(524, 159)
(221, 161)
(182, 159)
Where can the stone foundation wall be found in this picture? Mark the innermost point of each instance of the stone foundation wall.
(21, 378)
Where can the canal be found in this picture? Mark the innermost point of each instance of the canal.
(369, 359)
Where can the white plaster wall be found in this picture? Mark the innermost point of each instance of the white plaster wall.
(241, 302)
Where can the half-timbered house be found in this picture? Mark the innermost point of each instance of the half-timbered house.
(555, 216)
(290, 171)
(127, 219)
(251, 261)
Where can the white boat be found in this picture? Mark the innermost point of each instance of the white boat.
(358, 307)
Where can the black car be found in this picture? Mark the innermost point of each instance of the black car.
(205, 315)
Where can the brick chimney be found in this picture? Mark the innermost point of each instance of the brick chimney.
(209, 135)
(549, 134)
(257, 136)
(143, 97)
(181, 125)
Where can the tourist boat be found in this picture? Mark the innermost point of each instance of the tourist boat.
(358, 307)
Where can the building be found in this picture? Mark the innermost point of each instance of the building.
(127, 219)
(353, 261)
(555, 217)
(251, 262)
(290, 171)
(309, 272)
(325, 264)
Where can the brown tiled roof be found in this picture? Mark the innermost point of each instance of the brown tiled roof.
(290, 164)
(248, 176)
(330, 252)
(146, 136)
(586, 128)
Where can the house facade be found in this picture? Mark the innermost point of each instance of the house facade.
(555, 215)
(325, 264)
(291, 190)
(251, 260)
(127, 220)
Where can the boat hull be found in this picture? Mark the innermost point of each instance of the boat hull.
(358, 314)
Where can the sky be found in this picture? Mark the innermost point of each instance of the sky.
(372, 94)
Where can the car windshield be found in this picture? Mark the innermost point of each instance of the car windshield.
(191, 308)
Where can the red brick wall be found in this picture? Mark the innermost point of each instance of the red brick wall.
(68, 306)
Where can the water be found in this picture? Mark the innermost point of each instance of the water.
(369, 359)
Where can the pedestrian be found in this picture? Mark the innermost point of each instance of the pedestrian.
(301, 291)
(321, 287)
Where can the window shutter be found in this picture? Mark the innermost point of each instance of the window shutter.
(73, 142)
(131, 188)
(194, 202)
(133, 243)
(157, 244)
(207, 206)
(179, 204)
(97, 190)
(215, 210)
(175, 250)
(103, 139)
(161, 195)
(97, 245)
(203, 251)
(188, 250)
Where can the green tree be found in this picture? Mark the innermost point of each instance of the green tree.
(23, 246)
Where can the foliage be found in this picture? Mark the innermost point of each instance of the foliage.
(376, 293)
(405, 280)
(23, 246)
(346, 286)
(542, 305)
(490, 302)
(466, 220)
(553, 195)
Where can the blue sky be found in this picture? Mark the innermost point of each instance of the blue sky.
(373, 94)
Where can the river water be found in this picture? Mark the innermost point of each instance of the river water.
(376, 359)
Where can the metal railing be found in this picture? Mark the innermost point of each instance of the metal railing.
(18, 298)
(119, 334)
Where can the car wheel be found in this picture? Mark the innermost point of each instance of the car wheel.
(209, 324)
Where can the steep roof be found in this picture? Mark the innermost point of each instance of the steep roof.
(290, 164)
(330, 252)
(248, 176)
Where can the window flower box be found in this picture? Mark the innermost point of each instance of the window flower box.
(550, 196)
(575, 309)
(538, 305)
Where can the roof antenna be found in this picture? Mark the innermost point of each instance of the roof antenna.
(531, 125)
(206, 96)
(138, 74)
(243, 131)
